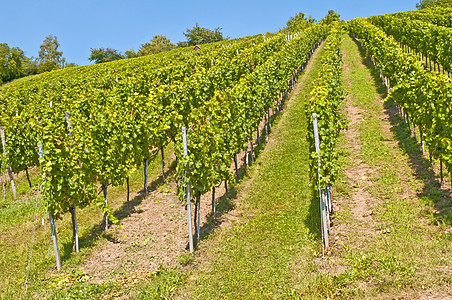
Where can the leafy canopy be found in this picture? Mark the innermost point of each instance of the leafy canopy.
(330, 18)
(159, 43)
(49, 56)
(130, 53)
(104, 55)
(11, 60)
(299, 22)
(431, 3)
(200, 35)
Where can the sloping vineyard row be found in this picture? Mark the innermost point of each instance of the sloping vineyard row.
(434, 42)
(224, 125)
(425, 96)
(118, 121)
(26, 99)
(93, 73)
(439, 16)
(323, 106)
(119, 101)
(324, 100)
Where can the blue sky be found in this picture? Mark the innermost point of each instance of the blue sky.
(84, 24)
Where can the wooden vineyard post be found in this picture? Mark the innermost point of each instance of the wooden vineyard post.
(72, 209)
(10, 171)
(213, 202)
(163, 163)
(269, 120)
(422, 140)
(251, 150)
(104, 188)
(198, 216)
(265, 124)
(258, 137)
(408, 122)
(441, 170)
(246, 157)
(323, 208)
(330, 199)
(28, 177)
(190, 228)
(52, 224)
(226, 188)
(236, 169)
(128, 189)
(146, 177)
(75, 247)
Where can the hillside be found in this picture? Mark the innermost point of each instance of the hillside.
(363, 210)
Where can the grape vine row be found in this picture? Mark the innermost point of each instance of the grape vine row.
(425, 96)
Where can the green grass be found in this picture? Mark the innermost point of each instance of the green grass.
(157, 285)
(408, 252)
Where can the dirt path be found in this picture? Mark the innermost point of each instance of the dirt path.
(359, 202)
(382, 213)
(152, 235)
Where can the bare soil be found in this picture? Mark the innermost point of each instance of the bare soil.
(360, 202)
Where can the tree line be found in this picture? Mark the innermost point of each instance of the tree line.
(159, 43)
(14, 64)
(432, 3)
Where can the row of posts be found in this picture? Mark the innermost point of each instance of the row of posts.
(248, 154)
(326, 203)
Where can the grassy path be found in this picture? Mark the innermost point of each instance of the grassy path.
(276, 236)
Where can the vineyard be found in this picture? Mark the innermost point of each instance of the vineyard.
(299, 164)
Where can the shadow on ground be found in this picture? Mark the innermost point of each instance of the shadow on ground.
(126, 209)
(432, 193)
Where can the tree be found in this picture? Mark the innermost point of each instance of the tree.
(331, 17)
(159, 43)
(104, 55)
(30, 66)
(70, 65)
(299, 22)
(130, 53)
(11, 60)
(49, 56)
(431, 3)
(199, 35)
(181, 44)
